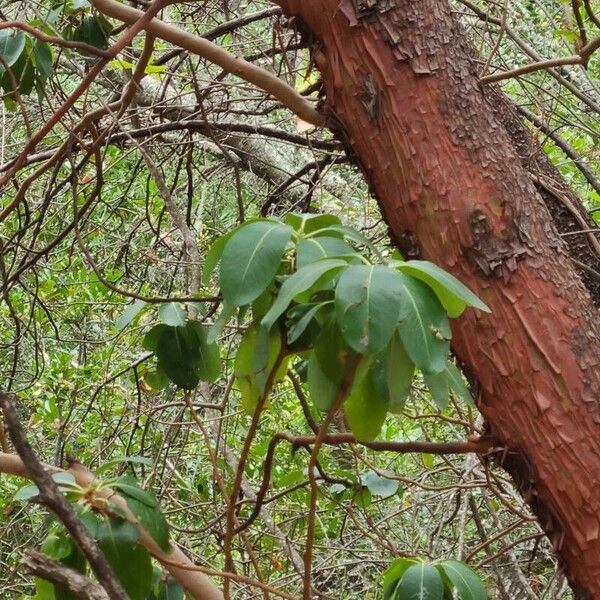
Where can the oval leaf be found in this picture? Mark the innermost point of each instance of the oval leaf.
(131, 562)
(367, 306)
(438, 387)
(172, 314)
(457, 383)
(420, 582)
(423, 326)
(379, 485)
(12, 43)
(365, 409)
(251, 259)
(310, 250)
(393, 574)
(453, 295)
(300, 281)
(464, 579)
(129, 314)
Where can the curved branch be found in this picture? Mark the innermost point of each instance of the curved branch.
(176, 562)
(215, 54)
(56, 40)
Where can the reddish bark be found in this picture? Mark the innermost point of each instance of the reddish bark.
(401, 81)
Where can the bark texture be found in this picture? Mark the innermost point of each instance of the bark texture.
(400, 79)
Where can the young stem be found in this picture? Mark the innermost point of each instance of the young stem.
(345, 386)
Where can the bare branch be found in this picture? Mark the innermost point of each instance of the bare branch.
(40, 565)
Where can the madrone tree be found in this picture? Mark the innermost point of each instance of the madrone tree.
(454, 173)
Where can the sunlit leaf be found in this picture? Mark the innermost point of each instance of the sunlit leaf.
(365, 409)
(452, 294)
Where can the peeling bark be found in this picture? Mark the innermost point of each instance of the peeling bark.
(400, 79)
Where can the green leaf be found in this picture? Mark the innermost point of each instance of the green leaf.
(217, 327)
(300, 281)
(420, 582)
(93, 30)
(44, 590)
(171, 590)
(57, 546)
(399, 372)
(118, 460)
(129, 487)
(379, 485)
(309, 223)
(393, 574)
(178, 353)
(42, 57)
(326, 366)
(213, 256)
(365, 409)
(185, 355)
(64, 480)
(12, 44)
(24, 74)
(61, 548)
(438, 387)
(26, 493)
(310, 250)
(172, 314)
(256, 355)
(352, 235)
(306, 313)
(251, 259)
(157, 379)
(466, 582)
(367, 306)
(129, 314)
(452, 294)
(457, 383)
(130, 561)
(151, 339)
(152, 520)
(209, 366)
(423, 326)
(321, 388)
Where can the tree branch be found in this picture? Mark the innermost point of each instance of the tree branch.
(198, 585)
(55, 572)
(58, 504)
(268, 82)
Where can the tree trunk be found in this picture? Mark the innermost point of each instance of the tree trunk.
(400, 78)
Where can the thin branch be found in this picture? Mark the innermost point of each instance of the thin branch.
(563, 145)
(73, 581)
(576, 59)
(58, 504)
(268, 82)
(175, 561)
(52, 39)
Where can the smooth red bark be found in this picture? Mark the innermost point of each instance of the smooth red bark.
(401, 81)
